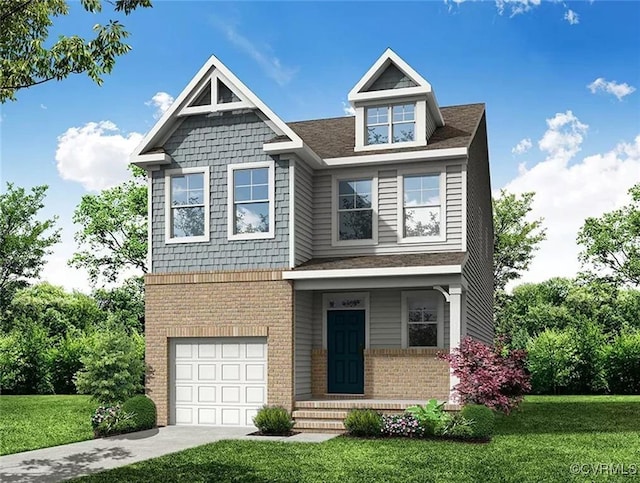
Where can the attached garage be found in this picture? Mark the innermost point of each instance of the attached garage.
(217, 381)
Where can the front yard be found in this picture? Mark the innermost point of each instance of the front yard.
(33, 422)
(541, 442)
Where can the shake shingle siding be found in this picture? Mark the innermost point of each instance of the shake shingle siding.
(478, 271)
(217, 141)
(391, 78)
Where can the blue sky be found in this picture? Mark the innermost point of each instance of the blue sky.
(530, 62)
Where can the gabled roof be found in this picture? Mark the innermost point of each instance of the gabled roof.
(418, 87)
(212, 71)
(335, 137)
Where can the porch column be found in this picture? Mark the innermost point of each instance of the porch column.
(455, 324)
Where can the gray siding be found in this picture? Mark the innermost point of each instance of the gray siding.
(387, 214)
(303, 213)
(216, 141)
(391, 78)
(430, 124)
(303, 341)
(478, 271)
(385, 318)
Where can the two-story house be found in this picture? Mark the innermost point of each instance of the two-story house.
(313, 264)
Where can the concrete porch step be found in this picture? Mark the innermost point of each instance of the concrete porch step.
(319, 425)
(319, 414)
(347, 404)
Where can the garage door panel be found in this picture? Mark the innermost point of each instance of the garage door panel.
(219, 381)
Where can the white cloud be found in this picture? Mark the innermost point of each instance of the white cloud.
(569, 190)
(572, 17)
(611, 87)
(516, 7)
(95, 155)
(57, 272)
(260, 52)
(161, 101)
(348, 109)
(522, 147)
(43, 107)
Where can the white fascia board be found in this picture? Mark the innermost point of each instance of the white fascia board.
(388, 57)
(300, 149)
(404, 92)
(408, 156)
(144, 160)
(281, 147)
(371, 272)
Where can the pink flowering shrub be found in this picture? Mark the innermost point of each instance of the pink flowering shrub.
(493, 376)
(405, 425)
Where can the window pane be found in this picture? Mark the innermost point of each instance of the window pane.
(422, 221)
(260, 192)
(430, 182)
(377, 115)
(363, 186)
(242, 177)
(178, 190)
(195, 181)
(415, 316)
(412, 198)
(404, 132)
(260, 176)
(195, 197)
(252, 217)
(403, 113)
(188, 222)
(423, 335)
(412, 183)
(243, 193)
(347, 187)
(355, 225)
(378, 135)
(363, 201)
(346, 202)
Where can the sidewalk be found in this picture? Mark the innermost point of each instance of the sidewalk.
(77, 459)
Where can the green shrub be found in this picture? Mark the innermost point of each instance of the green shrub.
(113, 369)
(66, 360)
(363, 422)
(551, 360)
(483, 420)
(109, 420)
(273, 420)
(143, 410)
(590, 343)
(622, 366)
(456, 426)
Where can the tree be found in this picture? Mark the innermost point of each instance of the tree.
(114, 230)
(25, 61)
(612, 242)
(125, 303)
(515, 239)
(24, 240)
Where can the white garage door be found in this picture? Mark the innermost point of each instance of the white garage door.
(218, 381)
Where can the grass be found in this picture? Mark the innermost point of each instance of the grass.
(540, 442)
(33, 422)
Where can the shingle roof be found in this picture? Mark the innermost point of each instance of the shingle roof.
(384, 261)
(335, 137)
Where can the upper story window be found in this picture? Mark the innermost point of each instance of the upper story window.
(187, 205)
(423, 319)
(391, 124)
(355, 209)
(251, 203)
(422, 207)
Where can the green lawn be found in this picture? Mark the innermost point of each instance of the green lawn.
(538, 443)
(32, 422)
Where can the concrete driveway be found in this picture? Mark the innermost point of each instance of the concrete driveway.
(77, 459)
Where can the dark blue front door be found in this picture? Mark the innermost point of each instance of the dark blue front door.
(345, 351)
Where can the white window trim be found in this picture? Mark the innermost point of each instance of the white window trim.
(231, 236)
(420, 129)
(335, 232)
(167, 205)
(325, 310)
(441, 172)
(405, 318)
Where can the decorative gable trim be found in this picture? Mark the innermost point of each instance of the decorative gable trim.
(212, 70)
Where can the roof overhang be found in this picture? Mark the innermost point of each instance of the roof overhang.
(371, 272)
(406, 156)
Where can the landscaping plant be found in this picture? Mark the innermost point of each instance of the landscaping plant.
(110, 420)
(429, 415)
(483, 420)
(143, 412)
(401, 425)
(493, 376)
(273, 420)
(363, 422)
(456, 426)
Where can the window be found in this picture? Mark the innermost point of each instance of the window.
(421, 206)
(187, 202)
(251, 209)
(355, 209)
(423, 314)
(391, 124)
